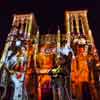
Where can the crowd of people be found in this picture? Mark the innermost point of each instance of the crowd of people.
(84, 65)
(72, 74)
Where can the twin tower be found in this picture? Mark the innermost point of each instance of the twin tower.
(24, 27)
(76, 23)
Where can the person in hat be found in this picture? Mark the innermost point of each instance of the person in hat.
(80, 72)
(57, 74)
(45, 60)
(18, 74)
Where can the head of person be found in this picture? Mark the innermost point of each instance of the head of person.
(63, 43)
(23, 49)
(70, 55)
(47, 50)
(59, 60)
(81, 49)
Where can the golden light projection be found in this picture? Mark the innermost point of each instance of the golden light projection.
(60, 66)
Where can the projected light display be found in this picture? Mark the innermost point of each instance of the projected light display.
(58, 66)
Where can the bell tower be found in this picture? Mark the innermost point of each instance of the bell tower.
(24, 27)
(76, 23)
(25, 24)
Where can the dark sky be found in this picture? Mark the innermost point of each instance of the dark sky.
(49, 14)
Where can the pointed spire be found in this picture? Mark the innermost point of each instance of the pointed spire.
(58, 40)
(58, 34)
(37, 35)
(58, 31)
(36, 46)
(38, 30)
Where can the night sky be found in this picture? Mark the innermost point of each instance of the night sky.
(49, 14)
